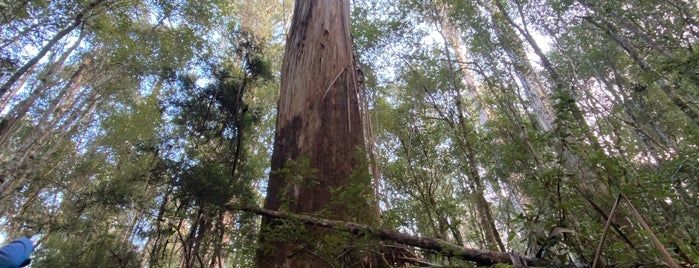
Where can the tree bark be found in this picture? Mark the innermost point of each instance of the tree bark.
(318, 146)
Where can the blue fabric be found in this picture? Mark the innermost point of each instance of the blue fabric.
(16, 253)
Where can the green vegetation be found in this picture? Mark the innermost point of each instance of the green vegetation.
(126, 127)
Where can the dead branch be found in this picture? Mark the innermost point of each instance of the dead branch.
(481, 257)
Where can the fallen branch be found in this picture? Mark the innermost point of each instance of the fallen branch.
(481, 257)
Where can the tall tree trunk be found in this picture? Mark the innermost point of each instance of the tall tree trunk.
(529, 81)
(8, 97)
(22, 70)
(669, 87)
(9, 125)
(318, 146)
(620, 82)
(49, 80)
(590, 182)
(559, 83)
(485, 214)
(219, 255)
(451, 40)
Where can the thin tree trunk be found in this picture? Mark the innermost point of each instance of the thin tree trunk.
(620, 80)
(157, 248)
(450, 37)
(10, 125)
(487, 222)
(559, 83)
(76, 80)
(22, 70)
(670, 89)
(5, 100)
(588, 180)
(219, 258)
(7, 126)
(529, 81)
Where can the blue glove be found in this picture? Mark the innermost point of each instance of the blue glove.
(16, 254)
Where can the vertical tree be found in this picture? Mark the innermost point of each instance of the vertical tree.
(318, 163)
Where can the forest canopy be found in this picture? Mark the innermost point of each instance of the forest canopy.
(139, 133)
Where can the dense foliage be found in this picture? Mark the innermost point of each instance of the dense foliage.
(126, 126)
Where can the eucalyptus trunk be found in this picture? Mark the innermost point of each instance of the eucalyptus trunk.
(669, 87)
(318, 145)
(77, 22)
(590, 182)
(485, 215)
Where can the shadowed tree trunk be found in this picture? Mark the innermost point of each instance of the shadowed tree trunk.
(318, 163)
